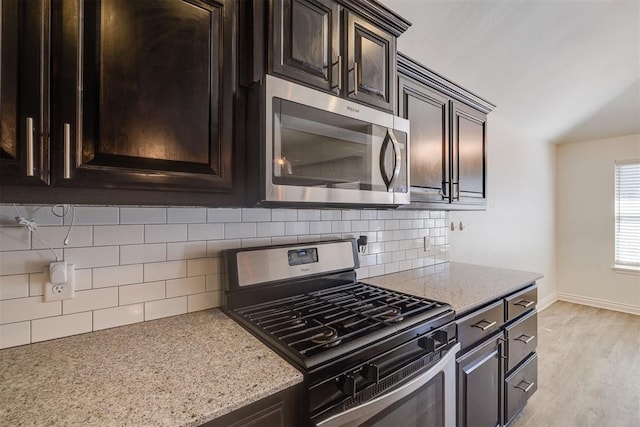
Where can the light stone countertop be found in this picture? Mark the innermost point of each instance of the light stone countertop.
(464, 286)
(178, 371)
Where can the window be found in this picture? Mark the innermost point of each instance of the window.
(627, 177)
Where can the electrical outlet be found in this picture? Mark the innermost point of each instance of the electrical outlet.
(60, 291)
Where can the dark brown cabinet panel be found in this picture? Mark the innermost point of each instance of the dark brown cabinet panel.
(448, 139)
(23, 103)
(306, 36)
(479, 384)
(469, 154)
(143, 94)
(428, 112)
(371, 54)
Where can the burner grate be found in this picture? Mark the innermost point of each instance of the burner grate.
(319, 321)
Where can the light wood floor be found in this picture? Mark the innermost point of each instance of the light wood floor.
(588, 369)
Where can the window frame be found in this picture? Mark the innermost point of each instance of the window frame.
(623, 265)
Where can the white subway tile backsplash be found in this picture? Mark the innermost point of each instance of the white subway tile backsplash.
(186, 215)
(20, 262)
(20, 309)
(309, 215)
(224, 215)
(15, 238)
(160, 233)
(119, 275)
(284, 215)
(205, 231)
(186, 286)
(165, 308)
(14, 286)
(268, 229)
(117, 316)
(91, 300)
(108, 235)
(100, 256)
(296, 227)
(203, 266)
(203, 301)
(143, 215)
(215, 249)
(330, 215)
(240, 230)
(15, 334)
(165, 270)
(94, 215)
(141, 263)
(61, 326)
(256, 215)
(139, 254)
(141, 292)
(186, 250)
(81, 236)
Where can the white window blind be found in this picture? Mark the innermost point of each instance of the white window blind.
(628, 213)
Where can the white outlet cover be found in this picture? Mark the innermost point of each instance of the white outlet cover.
(67, 289)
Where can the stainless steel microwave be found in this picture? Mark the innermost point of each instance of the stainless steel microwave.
(316, 148)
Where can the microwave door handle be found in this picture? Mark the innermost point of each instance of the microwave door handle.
(397, 159)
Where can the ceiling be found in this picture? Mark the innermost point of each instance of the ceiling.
(560, 70)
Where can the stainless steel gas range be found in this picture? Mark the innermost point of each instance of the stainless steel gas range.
(370, 356)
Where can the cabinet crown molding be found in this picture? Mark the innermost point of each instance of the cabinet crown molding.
(425, 75)
(379, 14)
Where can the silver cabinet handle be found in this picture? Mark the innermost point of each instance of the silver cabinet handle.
(355, 79)
(524, 303)
(525, 338)
(484, 328)
(67, 151)
(30, 168)
(527, 386)
(339, 64)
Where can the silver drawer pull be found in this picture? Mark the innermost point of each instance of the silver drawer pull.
(527, 386)
(484, 328)
(525, 338)
(524, 303)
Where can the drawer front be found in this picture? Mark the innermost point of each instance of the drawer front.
(522, 339)
(480, 324)
(519, 387)
(521, 302)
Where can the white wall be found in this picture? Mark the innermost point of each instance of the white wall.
(517, 230)
(585, 223)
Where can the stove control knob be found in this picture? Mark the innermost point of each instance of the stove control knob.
(427, 343)
(371, 373)
(347, 383)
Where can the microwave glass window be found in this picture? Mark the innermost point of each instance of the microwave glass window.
(317, 148)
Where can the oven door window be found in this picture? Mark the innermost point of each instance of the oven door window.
(317, 148)
(424, 408)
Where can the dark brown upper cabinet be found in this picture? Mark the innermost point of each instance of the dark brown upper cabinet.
(306, 40)
(23, 85)
(345, 47)
(143, 94)
(371, 54)
(448, 139)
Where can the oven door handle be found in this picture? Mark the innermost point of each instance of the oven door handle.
(361, 413)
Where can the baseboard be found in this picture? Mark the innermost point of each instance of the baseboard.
(599, 303)
(547, 301)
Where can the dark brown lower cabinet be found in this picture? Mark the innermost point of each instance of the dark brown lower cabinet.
(479, 384)
(278, 410)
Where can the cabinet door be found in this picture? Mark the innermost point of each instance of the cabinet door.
(479, 385)
(144, 94)
(428, 112)
(371, 66)
(306, 35)
(23, 85)
(468, 148)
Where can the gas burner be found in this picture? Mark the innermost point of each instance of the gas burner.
(392, 315)
(295, 319)
(327, 336)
